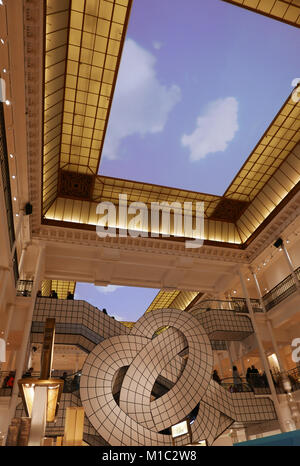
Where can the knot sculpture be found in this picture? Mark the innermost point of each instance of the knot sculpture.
(138, 419)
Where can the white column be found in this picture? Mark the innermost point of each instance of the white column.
(17, 232)
(26, 333)
(262, 354)
(21, 261)
(269, 324)
(38, 417)
(291, 266)
(10, 312)
(218, 360)
(230, 354)
(242, 362)
(4, 273)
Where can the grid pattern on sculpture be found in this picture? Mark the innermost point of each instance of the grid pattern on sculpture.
(97, 364)
(117, 427)
(142, 374)
(242, 407)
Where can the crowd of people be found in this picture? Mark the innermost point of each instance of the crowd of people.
(254, 380)
(54, 295)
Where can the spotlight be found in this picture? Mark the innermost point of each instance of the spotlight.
(278, 243)
(28, 209)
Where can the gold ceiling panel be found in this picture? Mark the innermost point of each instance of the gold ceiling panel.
(96, 35)
(83, 46)
(172, 299)
(163, 300)
(184, 299)
(84, 213)
(287, 11)
(273, 148)
(56, 46)
(108, 189)
(61, 287)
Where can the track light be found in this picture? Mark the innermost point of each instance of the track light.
(278, 243)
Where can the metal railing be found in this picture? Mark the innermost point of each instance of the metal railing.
(71, 380)
(24, 287)
(233, 386)
(284, 382)
(281, 291)
(238, 305)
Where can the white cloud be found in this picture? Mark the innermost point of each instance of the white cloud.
(157, 45)
(108, 288)
(120, 318)
(214, 129)
(141, 103)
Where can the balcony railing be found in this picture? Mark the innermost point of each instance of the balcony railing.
(238, 305)
(71, 380)
(24, 287)
(258, 383)
(281, 291)
(230, 385)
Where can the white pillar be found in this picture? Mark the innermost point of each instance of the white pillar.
(262, 354)
(242, 363)
(21, 261)
(291, 266)
(230, 354)
(38, 417)
(4, 273)
(17, 232)
(10, 312)
(26, 333)
(219, 364)
(269, 325)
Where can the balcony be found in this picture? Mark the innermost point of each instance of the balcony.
(283, 290)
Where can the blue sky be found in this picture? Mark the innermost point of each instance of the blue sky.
(199, 83)
(125, 303)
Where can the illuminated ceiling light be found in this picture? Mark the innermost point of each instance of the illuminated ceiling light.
(4, 70)
(14, 198)
(8, 102)
(13, 177)
(248, 279)
(17, 215)
(234, 291)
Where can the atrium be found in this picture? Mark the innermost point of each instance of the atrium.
(150, 229)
